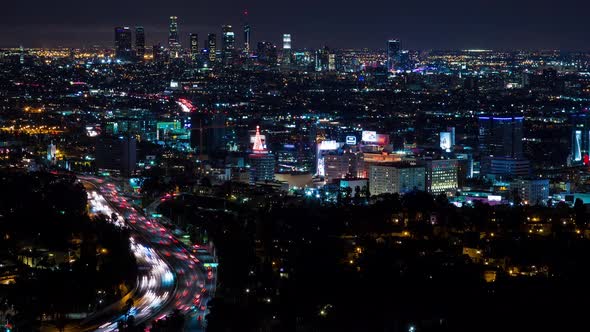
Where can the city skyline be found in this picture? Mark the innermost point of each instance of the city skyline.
(454, 25)
(310, 166)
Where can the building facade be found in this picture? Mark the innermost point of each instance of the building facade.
(500, 136)
(140, 42)
(194, 43)
(212, 47)
(396, 178)
(262, 163)
(442, 176)
(342, 164)
(228, 44)
(531, 191)
(123, 42)
(394, 47)
(174, 45)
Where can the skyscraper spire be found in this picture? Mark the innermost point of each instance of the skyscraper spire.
(258, 145)
(247, 31)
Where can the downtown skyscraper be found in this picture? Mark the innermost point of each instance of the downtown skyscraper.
(228, 45)
(286, 49)
(140, 42)
(247, 40)
(212, 47)
(123, 42)
(174, 45)
(194, 46)
(394, 47)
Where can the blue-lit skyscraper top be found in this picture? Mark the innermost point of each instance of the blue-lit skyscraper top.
(501, 136)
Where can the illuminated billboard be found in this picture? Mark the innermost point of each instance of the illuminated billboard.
(578, 146)
(328, 145)
(494, 198)
(369, 136)
(445, 141)
(351, 140)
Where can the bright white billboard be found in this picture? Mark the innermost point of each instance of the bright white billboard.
(369, 136)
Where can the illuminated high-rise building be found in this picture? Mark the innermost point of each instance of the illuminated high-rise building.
(212, 46)
(117, 154)
(123, 49)
(194, 43)
(500, 136)
(394, 47)
(158, 52)
(286, 41)
(262, 163)
(228, 44)
(322, 59)
(173, 40)
(140, 42)
(286, 49)
(267, 53)
(247, 41)
(396, 178)
(442, 176)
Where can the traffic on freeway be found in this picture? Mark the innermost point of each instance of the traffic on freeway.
(170, 277)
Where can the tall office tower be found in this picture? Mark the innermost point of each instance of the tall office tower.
(341, 164)
(262, 163)
(286, 49)
(442, 176)
(173, 41)
(123, 50)
(212, 46)
(331, 62)
(116, 154)
(405, 62)
(158, 52)
(208, 133)
(140, 42)
(580, 141)
(322, 59)
(500, 136)
(228, 43)
(194, 42)
(247, 41)
(394, 47)
(267, 52)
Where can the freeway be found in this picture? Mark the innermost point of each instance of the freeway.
(170, 277)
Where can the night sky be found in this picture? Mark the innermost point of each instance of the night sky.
(424, 24)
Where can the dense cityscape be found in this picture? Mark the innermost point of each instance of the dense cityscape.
(221, 182)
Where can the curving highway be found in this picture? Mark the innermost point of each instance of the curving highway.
(170, 277)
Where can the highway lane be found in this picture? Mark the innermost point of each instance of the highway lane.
(155, 283)
(175, 280)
